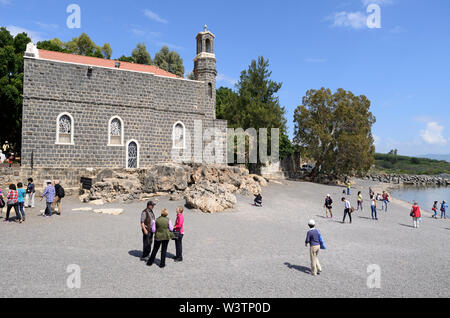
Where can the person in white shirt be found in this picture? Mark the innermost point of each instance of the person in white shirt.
(347, 210)
(2, 157)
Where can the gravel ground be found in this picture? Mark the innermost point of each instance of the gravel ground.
(247, 252)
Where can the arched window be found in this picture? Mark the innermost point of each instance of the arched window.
(208, 45)
(115, 131)
(210, 90)
(178, 136)
(132, 154)
(64, 129)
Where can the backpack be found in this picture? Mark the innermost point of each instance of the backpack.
(2, 203)
(61, 192)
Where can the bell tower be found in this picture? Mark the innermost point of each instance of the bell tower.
(205, 68)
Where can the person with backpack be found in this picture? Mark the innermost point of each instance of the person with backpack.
(416, 215)
(444, 208)
(163, 230)
(347, 210)
(12, 203)
(315, 241)
(21, 198)
(147, 220)
(31, 191)
(59, 194)
(328, 206)
(434, 209)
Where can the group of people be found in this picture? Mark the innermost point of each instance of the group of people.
(19, 198)
(6, 155)
(160, 231)
(443, 209)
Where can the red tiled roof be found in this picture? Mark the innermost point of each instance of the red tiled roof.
(95, 61)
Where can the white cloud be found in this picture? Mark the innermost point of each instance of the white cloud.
(223, 78)
(355, 20)
(34, 35)
(376, 140)
(152, 15)
(315, 60)
(47, 26)
(433, 134)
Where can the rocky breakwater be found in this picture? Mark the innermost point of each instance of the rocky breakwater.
(210, 189)
(410, 179)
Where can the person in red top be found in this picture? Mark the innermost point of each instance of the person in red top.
(12, 202)
(179, 233)
(415, 214)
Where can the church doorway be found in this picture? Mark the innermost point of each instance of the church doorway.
(132, 154)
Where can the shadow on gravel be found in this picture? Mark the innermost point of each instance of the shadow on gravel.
(410, 226)
(135, 253)
(300, 268)
(365, 217)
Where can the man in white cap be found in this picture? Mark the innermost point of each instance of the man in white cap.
(312, 238)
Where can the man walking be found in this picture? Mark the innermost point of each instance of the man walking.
(147, 220)
(59, 194)
(312, 238)
(347, 211)
(29, 198)
(444, 208)
(49, 194)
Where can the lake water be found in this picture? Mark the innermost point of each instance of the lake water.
(425, 196)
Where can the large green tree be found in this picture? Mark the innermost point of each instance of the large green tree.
(255, 104)
(336, 131)
(12, 50)
(170, 61)
(141, 55)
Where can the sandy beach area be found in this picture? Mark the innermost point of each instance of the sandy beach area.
(246, 252)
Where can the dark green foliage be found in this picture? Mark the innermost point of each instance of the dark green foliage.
(141, 55)
(129, 59)
(255, 104)
(169, 61)
(336, 131)
(12, 50)
(410, 165)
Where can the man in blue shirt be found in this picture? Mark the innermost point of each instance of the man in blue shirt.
(312, 238)
(444, 207)
(49, 194)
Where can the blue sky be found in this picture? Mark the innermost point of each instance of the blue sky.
(402, 67)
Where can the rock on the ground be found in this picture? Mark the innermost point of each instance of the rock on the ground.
(109, 211)
(82, 209)
(165, 178)
(209, 197)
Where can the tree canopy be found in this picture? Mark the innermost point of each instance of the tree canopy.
(255, 104)
(336, 131)
(169, 61)
(12, 50)
(82, 45)
(141, 55)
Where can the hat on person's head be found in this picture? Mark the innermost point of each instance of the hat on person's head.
(48, 181)
(328, 195)
(312, 223)
(151, 203)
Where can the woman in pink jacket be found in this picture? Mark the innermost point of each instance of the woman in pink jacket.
(179, 233)
(415, 214)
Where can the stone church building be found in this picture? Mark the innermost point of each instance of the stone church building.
(81, 112)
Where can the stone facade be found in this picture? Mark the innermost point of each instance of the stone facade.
(148, 106)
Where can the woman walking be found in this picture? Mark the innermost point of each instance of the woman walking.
(163, 234)
(12, 203)
(434, 209)
(360, 201)
(415, 214)
(21, 199)
(179, 233)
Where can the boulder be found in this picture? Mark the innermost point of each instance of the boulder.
(209, 197)
(165, 178)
